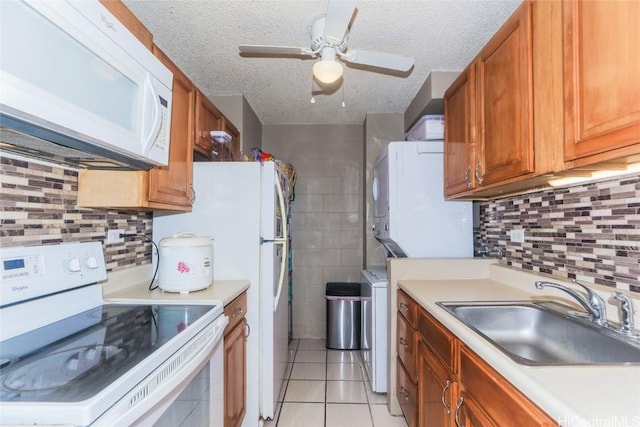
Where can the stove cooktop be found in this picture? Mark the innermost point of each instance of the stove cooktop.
(75, 358)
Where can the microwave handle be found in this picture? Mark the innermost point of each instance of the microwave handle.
(152, 100)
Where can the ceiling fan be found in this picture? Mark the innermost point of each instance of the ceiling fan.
(329, 42)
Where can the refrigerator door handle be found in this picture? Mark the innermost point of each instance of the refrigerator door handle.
(283, 265)
(282, 241)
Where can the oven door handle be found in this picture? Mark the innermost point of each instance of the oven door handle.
(137, 407)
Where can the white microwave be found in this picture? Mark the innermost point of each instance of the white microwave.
(75, 84)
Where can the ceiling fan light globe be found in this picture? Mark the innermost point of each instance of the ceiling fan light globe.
(327, 72)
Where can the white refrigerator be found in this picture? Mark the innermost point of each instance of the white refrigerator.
(242, 205)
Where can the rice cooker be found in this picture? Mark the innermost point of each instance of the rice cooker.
(185, 263)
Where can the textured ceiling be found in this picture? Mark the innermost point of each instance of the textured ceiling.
(202, 38)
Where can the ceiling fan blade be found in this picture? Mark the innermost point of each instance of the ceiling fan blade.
(389, 61)
(258, 50)
(339, 14)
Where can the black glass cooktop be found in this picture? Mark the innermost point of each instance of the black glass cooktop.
(75, 358)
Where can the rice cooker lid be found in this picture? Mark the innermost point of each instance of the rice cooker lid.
(186, 239)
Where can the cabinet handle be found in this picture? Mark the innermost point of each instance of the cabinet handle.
(238, 311)
(404, 393)
(479, 177)
(192, 199)
(444, 391)
(458, 406)
(403, 342)
(404, 306)
(248, 328)
(466, 176)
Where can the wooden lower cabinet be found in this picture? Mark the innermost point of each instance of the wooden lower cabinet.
(454, 386)
(436, 390)
(501, 402)
(407, 358)
(407, 396)
(235, 362)
(469, 414)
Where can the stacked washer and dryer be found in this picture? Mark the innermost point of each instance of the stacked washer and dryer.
(412, 220)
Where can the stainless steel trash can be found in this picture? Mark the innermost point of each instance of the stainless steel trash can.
(343, 315)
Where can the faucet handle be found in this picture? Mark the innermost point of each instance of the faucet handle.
(626, 314)
(595, 300)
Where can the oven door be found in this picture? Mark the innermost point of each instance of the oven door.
(195, 389)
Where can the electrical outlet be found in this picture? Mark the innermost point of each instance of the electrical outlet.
(113, 236)
(517, 235)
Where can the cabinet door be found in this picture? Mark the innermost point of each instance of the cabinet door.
(436, 391)
(459, 124)
(505, 102)
(469, 414)
(235, 139)
(601, 78)
(407, 347)
(407, 396)
(172, 183)
(438, 338)
(502, 402)
(235, 362)
(208, 118)
(228, 150)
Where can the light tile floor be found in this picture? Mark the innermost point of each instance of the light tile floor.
(328, 388)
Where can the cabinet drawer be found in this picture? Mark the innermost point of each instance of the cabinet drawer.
(502, 402)
(407, 396)
(236, 311)
(408, 307)
(407, 347)
(439, 339)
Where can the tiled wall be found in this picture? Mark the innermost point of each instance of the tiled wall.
(590, 232)
(327, 213)
(38, 207)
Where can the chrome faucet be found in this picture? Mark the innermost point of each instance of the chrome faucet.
(594, 303)
(626, 314)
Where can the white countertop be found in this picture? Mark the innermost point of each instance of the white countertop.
(572, 395)
(132, 285)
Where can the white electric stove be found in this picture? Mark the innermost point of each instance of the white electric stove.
(67, 357)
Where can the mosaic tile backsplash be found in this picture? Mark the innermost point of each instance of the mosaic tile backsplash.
(588, 232)
(38, 207)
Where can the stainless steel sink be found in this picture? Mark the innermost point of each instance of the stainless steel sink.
(545, 333)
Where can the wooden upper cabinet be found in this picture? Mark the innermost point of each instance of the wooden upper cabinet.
(172, 184)
(505, 144)
(503, 115)
(460, 112)
(208, 118)
(601, 80)
(233, 147)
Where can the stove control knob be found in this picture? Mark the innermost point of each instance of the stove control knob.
(91, 263)
(73, 265)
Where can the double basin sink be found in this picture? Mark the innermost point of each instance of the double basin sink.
(544, 333)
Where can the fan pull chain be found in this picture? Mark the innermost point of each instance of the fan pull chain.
(313, 100)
